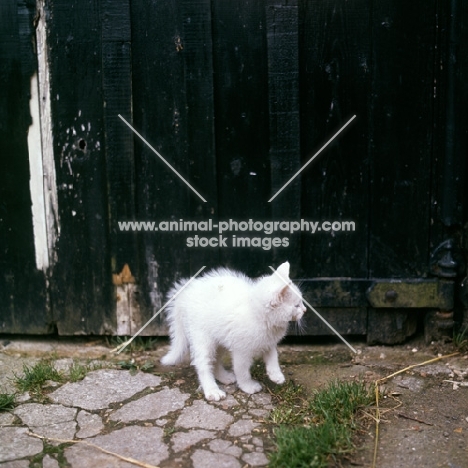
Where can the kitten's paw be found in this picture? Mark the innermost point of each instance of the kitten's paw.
(215, 394)
(250, 387)
(276, 377)
(226, 377)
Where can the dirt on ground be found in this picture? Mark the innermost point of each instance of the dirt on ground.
(424, 414)
(423, 410)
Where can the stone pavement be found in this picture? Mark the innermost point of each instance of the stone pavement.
(139, 415)
(159, 418)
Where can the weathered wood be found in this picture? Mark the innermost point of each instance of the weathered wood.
(160, 115)
(118, 150)
(81, 281)
(346, 321)
(117, 96)
(236, 96)
(450, 131)
(241, 123)
(23, 297)
(197, 43)
(335, 85)
(282, 26)
(46, 174)
(400, 138)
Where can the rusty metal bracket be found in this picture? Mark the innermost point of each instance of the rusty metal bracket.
(447, 260)
(407, 293)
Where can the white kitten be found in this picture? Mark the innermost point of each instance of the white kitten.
(225, 310)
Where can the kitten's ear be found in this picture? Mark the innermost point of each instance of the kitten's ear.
(279, 296)
(283, 271)
(280, 283)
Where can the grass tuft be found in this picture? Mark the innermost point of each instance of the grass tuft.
(134, 367)
(34, 377)
(291, 407)
(460, 339)
(315, 431)
(7, 401)
(340, 401)
(79, 371)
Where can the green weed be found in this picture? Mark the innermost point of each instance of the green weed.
(313, 432)
(460, 339)
(34, 377)
(291, 407)
(54, 451)
(7, 401)
(133, 366)
(78, 371)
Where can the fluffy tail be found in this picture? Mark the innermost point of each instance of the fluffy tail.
(179, 351)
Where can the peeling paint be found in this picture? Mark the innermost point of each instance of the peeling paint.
(153, 280)
(127, 308)
(49, 183)
(36, 181)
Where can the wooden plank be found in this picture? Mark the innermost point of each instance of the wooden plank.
(23, 296)
(196, 40)
(401, 133)
(160, 115)
(118, 147)
(282, 25)
(241, 124)
(117, 95)
(450, 140)
(46, 176)
(335, 84)
(346, 321)
(82, 278)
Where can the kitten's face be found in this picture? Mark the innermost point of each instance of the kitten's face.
(292, 303)
(286, 298)
(287, 306)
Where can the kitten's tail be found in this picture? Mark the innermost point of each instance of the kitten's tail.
(179, 351)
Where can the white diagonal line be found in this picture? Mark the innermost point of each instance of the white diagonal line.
(160, 157)
(121, 347)
(315, 312)
(312, 158)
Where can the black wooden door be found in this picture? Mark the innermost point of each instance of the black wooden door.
(23, 299)
(237, 97)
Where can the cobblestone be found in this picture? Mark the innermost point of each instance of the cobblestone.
(202, 414)
(100, 388)
(207, 459)
(153, 406)
(55, 421)
(161, 423)
(140, 443)
(184, 440)
(90, 424)
(162, 420)
(242, 427)
(15, 443)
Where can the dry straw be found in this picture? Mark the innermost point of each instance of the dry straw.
(377, 384)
